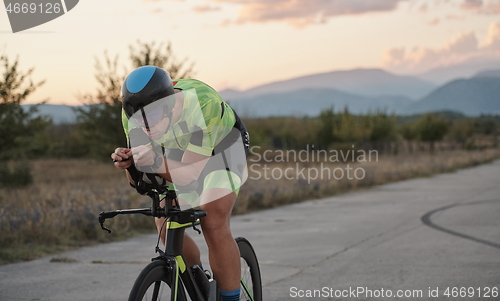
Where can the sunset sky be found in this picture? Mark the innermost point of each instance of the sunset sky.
(245, 43)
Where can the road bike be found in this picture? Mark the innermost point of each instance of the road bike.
(167, 277)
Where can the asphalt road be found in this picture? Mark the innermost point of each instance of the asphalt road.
(409, 240)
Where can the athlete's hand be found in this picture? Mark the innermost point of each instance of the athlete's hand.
(122, 158)
(143, 155)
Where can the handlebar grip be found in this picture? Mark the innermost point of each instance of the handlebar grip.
(123, 160)
(200, 213)
(134, 173)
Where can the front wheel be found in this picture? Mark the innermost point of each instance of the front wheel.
(153, 284)
(250, 281)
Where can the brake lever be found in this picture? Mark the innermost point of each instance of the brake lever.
(104, 228)
(196, 229)
(195, 218)
(102, 219)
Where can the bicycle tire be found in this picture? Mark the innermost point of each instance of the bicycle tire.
(154, 277)
(251, 283)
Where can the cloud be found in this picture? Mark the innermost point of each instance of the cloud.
(471, 4)
(492, 40)
(163, 0)
(156, 11)
(487, 7)
(455, 17)
(302, 13)
(205, 8)
(434, 21)
(459, 49)
(424, 8)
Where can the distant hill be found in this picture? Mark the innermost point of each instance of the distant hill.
(58, 113)
(442, 75)
(488, 73)
(365, 82)
(472, 96)
(310, 102)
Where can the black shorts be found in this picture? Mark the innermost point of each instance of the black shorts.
(225, 169)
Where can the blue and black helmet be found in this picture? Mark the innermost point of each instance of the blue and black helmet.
(143, 86)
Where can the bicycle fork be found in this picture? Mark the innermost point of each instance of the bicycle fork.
(176, 264)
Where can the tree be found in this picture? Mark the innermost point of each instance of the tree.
(409, 133)
(461, 131)
(100, 121)
(430, 129)
(348, 129)
(382, 130)
(326, 134)
(99, 128)
(18, 127)
(161, 56)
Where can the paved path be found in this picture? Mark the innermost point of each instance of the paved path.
(414, 237)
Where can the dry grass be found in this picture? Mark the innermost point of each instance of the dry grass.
(59, 211)
(262, 193)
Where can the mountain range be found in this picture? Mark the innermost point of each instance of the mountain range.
(364, 82)
(359, 90)
(474, 96)
(376, 90)
(467, 69)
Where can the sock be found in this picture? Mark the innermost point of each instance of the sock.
(230, 295)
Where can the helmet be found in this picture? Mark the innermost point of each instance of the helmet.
(143, 86)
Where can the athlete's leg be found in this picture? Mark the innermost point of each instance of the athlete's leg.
(223, 251)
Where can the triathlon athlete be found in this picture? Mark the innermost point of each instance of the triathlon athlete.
(182, 131)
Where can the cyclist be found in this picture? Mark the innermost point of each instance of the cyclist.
(189, 137)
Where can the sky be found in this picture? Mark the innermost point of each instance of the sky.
(240, 44)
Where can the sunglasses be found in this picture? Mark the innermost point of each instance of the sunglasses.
(148, 120)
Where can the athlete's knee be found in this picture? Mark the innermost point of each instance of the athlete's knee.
(217, 236)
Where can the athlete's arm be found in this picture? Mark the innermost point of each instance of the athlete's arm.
(180, 173)
(184, 172)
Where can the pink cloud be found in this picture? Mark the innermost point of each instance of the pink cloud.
(423, 9)
(302, 13)
(156, 11)
(455, 17)
(205, 8)
(471, 4)
(459, 49)
(492, 40)
(487, 7)
(434, 21)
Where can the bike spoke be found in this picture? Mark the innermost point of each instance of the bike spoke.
(156, 291)
(246, 290)
(246, 282)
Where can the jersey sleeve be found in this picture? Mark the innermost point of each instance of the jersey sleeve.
(203, 124)
(125, 126)
(210, 118)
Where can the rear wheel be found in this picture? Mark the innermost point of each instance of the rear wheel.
(153, 284)
(250, 281)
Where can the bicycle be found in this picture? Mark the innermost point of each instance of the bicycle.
(167, 277)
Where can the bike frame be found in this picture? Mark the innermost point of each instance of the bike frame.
(176, 226)
(177, 222)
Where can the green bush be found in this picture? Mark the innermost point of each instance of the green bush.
(18, 174)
